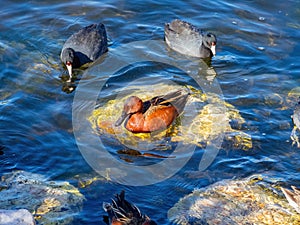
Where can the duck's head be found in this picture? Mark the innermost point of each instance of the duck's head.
(67, 56)
(210, 41)
(132, 105)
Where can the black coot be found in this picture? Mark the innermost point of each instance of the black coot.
(85, 46)
(187, 39)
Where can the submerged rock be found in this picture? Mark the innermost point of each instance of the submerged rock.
(50, 202)
(204, 119)
(212, 121)
(16, 217)
(246, 201)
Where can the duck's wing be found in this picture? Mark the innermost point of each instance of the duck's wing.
(126, 207)
(293, 198)
(122, 210)
(111, 215)
(125, 212)
(177, 99)
(146, 106)
(296, 190)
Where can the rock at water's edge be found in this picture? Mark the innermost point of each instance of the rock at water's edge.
(16, 217)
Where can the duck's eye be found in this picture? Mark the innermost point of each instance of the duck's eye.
(208, 35)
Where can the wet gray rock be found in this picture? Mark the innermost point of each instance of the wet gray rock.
(51, 202)
(16, 217)
(246, 201)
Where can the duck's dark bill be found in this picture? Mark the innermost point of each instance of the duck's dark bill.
(122, 118)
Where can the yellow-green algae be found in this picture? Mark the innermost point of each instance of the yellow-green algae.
(293, 96)
(212, 118)
(85, 180)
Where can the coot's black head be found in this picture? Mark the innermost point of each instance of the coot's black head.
(210, 41)
(67, 57)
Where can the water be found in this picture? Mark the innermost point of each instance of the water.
(257, 65)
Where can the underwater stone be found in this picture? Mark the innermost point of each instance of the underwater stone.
(51, 202)
(16, 217)
(253, 200)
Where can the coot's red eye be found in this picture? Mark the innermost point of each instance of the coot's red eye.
(68, 63)
(213, 43)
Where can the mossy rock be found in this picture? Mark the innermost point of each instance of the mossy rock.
(50, 202)
(205, 117)
(245, 201)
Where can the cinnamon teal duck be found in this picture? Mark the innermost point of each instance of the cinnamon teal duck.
(155, 114)
(187, 39)
(122, 212)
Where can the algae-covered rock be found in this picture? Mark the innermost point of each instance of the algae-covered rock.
(213, 120)
(105, 116)
(245, 201)
(205, 117)
(50, 202)
(293, 96)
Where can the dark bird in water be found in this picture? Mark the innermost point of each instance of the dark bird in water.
(122, 212)
(187, 39)
(85, 46)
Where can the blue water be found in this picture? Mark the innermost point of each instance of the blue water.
(257, 65)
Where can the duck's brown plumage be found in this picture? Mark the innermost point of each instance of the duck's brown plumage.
(155, 114)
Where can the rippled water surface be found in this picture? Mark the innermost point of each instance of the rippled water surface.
(257, 68)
